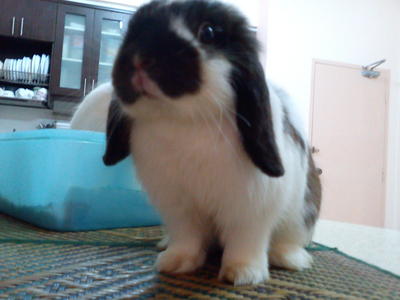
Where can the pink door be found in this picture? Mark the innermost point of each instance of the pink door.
(348, 133)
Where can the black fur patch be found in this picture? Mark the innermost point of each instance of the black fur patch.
(118, 134)
(254, 119)
(175, 64)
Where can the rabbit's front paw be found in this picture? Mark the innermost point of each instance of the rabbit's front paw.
(295, 259)
(240, 273)
(178, 261)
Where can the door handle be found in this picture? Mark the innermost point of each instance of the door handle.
(92, 84)
(22, 27)
(84, 87)
(13, 26)
(314, 150)
(319, 171)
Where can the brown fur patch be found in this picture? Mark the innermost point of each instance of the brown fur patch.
(313, 194)
(292, 131)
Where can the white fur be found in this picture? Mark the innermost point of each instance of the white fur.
(190, 159)
(181, 30)
(91, 114)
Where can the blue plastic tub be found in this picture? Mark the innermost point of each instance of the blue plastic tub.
(56, 179)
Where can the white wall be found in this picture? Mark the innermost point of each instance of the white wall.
(352, 31)
(249, 7)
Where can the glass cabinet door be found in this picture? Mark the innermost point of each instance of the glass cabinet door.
(72, 59)
(110, 40)
(72, 51)
(109, 31)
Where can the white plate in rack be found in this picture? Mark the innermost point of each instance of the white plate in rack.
(16, 71)
(35, 67)
(42, 63)
(39, 70)
(24, 67)
(46, 67)
(19, 69)
(13, 69)
(34, 59)
(29, 69)
(9, 67)
(5, 69)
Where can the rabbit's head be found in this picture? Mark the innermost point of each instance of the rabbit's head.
(194, 57)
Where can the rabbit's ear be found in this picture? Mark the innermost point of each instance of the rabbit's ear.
(254, 117)
(118, 134)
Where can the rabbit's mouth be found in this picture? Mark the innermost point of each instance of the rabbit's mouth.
(141, 81)
(143, 84)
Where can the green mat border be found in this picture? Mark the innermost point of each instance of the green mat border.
(320, 247)
(337, 251)
(80, 243)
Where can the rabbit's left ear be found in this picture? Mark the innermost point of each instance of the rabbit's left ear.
(254, 118)
(118, 133)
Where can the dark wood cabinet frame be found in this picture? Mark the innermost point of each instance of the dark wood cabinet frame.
(44, 20)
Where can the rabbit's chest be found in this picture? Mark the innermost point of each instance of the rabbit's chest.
(194, 157)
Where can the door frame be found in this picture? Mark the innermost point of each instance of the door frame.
(386, 74)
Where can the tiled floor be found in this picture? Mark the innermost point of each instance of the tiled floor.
(377, 246)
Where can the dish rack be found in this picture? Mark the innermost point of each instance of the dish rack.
(26, 70)
(26, 78)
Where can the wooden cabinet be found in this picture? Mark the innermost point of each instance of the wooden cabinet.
(28, 19)
(81, 39)
(86, 45)
(9, 18)
(38, 20)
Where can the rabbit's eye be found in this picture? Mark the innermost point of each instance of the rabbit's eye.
(206, 33)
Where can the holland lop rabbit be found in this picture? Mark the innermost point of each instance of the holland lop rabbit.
(219, 150)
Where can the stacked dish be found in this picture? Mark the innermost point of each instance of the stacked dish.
(26, 69)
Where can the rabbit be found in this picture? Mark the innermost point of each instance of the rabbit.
(91, 114)
(220, 151)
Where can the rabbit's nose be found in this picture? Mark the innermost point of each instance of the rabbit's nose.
(143, 63)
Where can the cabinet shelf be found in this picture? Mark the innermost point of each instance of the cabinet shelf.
(72, 60)
(2, 81)
(113, 34)
(72, 28)
(23, 102)
(105, 64)
(26, 79)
